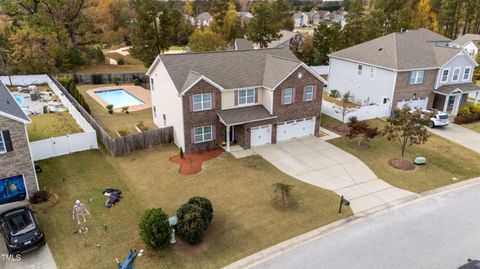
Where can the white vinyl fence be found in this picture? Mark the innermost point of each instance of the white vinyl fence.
(57, 146)
(361, 113)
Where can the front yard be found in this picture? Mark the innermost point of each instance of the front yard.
(475, 126)
(446, 159)
(113, 122)
(44, 126)
(244, 220)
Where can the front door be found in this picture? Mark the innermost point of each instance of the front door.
(260, 135)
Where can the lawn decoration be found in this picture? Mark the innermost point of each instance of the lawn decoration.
(114, 196)
(128, 263)
(79, 211)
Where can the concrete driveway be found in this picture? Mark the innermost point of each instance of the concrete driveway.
(319, 163)
(460, 135)
(38, 259)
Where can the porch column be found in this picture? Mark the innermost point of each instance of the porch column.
(456, 104)
(228, 138)
(477, 95)
(445, 104)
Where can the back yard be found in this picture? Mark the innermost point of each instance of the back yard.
(51, 125)
(113, 122)
(244, 220)
(446, 159)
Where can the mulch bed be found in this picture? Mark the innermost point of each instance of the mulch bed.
(342, 129)
(402, 165)
(192, 162)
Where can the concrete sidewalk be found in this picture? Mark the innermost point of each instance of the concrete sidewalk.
(39, 259)
(319, 163)
(460, 135)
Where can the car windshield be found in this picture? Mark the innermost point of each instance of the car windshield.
(20, 222)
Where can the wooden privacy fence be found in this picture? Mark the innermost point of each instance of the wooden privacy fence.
(87, 78)
(125, 144)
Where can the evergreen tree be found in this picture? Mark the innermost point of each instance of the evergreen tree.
(262, 28)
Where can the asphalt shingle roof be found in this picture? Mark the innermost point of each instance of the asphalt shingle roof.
(9, 105)
(245, 114)
(402, 51)
(230, 69)
(243, 44)
(464, 39)
(464, 87)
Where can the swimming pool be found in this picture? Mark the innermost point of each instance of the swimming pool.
(119, 98)
(20, 100)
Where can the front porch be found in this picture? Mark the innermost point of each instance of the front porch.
(449, 98)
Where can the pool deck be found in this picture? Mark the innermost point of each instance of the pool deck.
(136, 91)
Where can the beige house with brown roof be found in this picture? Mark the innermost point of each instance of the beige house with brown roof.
(417, 68)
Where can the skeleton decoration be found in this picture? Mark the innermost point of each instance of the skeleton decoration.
(172, 237)
(79, 212)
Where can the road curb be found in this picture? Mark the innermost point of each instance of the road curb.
(305, 238)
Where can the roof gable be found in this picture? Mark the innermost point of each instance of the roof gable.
(9, 107)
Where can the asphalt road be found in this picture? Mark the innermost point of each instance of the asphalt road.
(441, 231)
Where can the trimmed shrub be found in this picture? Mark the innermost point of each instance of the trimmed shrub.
(109, 108)
(191, 224)
(116, 80)
(463, 119)
(136, 82)
(97, 79)
(475, 109)
(465, 110)
(155, 229)
(40, 196)
(123, 131)
(181, 154)
(203, 203)
(121, 61)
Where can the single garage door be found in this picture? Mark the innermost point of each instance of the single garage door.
(295, 128)
(260, 135)
(420, 103)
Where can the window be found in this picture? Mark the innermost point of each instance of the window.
(308, 93)
(151, 84)
(385, 100)
(359, 69)
(445, 75)
(202, 101)
(416, 77)
(287, 96)
(3, 147)
(372, 72)
(456, 74)
(154, 111)
(246, 97)
(164, 120)
(202, 134)
(466, 73)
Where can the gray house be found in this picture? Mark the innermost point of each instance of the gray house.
(18, 179)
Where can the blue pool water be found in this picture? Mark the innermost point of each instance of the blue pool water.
(119, 98)
(20, 101)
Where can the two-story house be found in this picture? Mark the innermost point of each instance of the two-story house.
(417, 68)
(300, 19)
(18, 179)
(251, 97)
(470, 42)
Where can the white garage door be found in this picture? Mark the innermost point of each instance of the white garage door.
(420, 103)
(295, 128)
(260, 135)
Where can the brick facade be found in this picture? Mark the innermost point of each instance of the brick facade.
(403, 90)
(18, 161)
(194, 119)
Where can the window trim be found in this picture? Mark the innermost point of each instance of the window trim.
(306, 92)
(359, 69)
(246, 97)
(448, 74)
(203, 134)
(373, 70)
(453, 74)
(152, 85)
(2, 140)
(202, 101)
(415, 81)
(469, 73)
(291, 96)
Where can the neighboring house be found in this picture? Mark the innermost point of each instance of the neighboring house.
(300, 19)
(245, 16)
(317, 17)
(282, 42)
(339, 16)
(190, 19)
(470, 42)
(203, 19)
(416, 68)
(251, 97)
(18, 179)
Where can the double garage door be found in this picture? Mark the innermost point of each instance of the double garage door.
(295, 128)
(420, 103)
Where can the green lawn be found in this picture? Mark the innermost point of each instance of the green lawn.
(112, 122)
(475, 126)
(446, 160)
(244, 220)
(51, 125)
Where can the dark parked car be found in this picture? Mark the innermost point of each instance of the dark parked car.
(20, 230)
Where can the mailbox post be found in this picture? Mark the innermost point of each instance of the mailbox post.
(343, 201)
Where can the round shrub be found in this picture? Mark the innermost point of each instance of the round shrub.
(464, 111)
(191, 224)
(475, 109)
(155, 229)
(204, 204)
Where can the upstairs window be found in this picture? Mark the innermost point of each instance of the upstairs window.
(456, 74)
(202, 101)
(416, 77)
(445, 75)
(372, 72)
(308, 96)
(287, 96)
(246, 97)
(3, 147)
(466, 73)
(359, 69)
